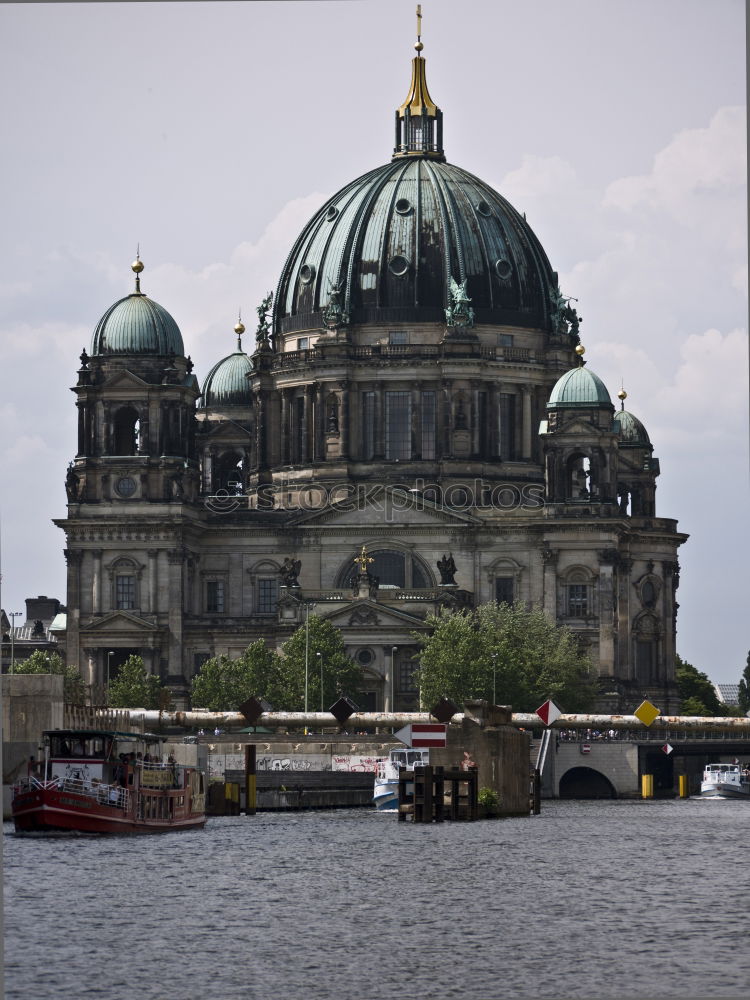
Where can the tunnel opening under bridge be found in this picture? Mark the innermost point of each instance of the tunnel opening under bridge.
(586, 783)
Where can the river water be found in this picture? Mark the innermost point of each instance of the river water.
(589, 899)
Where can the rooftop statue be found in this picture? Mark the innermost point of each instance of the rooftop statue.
(334, 314)
(264, 325)
(565, 319)
(290, 571)
(459, 312)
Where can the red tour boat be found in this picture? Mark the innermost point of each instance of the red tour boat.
(99, 781)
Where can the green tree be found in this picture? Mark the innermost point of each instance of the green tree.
(744, 694)
(341, 675)
(517, 656)
(697, 693)
(133, 687)
(43, 662)
(223, 684)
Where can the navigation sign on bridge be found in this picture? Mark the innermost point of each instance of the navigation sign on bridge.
(548, 712)
(423, 734)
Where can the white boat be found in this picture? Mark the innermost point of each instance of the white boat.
(725, 781)
(385, 797)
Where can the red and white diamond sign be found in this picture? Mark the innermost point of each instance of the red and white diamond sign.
(667, 748)
(548, 712)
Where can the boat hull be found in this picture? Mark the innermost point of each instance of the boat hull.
(716, 790)
(47, 810)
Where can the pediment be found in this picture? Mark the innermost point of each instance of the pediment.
(367, 614)
(384, 505)
(124, 379)
(224, 431)
(122, 622)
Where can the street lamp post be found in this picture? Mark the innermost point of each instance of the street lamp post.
(109, 654)
(308, 605)
(394, 650)
(320, 661)
(13, 615)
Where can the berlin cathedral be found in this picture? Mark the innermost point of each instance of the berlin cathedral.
(412, 429)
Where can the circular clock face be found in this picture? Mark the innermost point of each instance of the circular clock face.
(125, 486)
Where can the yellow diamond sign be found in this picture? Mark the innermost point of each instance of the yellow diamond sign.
(646, 713)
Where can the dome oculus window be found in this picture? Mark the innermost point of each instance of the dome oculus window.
(332, 213)
(125, 486)
(306, 273)
(503, 268)
(483, 208)
(403, 206)
(365, 657)
(398, 265)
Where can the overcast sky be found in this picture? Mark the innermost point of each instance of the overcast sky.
(210, 132)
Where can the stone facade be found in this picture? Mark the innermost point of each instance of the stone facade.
(413, 399)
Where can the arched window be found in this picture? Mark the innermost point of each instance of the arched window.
(393, 569)
(578, 594)
(126, 429)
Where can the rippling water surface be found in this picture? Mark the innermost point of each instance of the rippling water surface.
(589, 899)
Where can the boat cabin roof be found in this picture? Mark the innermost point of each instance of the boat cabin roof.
(111, 733)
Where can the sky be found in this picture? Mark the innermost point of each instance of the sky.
(208, 133)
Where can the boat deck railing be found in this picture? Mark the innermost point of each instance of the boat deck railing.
(112, 795)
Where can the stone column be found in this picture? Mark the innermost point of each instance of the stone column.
(344, 421)
(549, 600)
(175, 559)
(319, 424)
(379, 422)
(625, 662)
(88, 666)
(152, 603)
(285, 428)
(81, 406)
(447, 415)
(475, 432)
(309, 424)
(526, 425)
(606, 615)
(96, 586)
(261, 430)
(416, 420)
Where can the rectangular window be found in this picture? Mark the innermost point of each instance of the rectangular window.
(303, 343)
(507, 429)
(125, 592)
(215, 597)
(578, 600)
(407, 683)
(429, 425)
(368, 425)
(397, 425)
(398, 337)
(504, 589)
(505, 340)
(268, 596)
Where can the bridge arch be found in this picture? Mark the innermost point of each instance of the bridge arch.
(586, 783)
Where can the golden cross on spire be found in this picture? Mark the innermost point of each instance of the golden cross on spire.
(419, 21)
(363, 559)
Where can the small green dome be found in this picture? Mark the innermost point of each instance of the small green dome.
(579, 387)
(632, 432)
(137, 325)
(226, 384)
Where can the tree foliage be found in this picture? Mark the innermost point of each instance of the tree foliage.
(697, 693)
(223, 684)
(744, 694)
(43, 662)
(133, 687)
(341, 675)
(504, 653)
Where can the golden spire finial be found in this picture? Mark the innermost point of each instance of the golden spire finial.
(137, 266)
(239, 329)
(363, 559)
(419, 121)
(622, 396)
(418, 45)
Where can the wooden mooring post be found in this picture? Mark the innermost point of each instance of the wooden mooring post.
(432, 794)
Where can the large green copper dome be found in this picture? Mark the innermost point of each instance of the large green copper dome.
(579, 387)
(227, 384)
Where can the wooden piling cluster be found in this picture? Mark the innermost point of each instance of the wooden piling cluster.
(433, 794)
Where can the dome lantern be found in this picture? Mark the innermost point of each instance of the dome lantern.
(419, 121)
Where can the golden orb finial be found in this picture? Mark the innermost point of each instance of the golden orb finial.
(137, 267)
(239, 329)
(419, 46)
(622, 396)
(580, 350)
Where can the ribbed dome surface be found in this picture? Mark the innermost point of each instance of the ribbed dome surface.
(137, 325)
(632, 431)
(391, 240)
(579, 387)
(227, 384)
